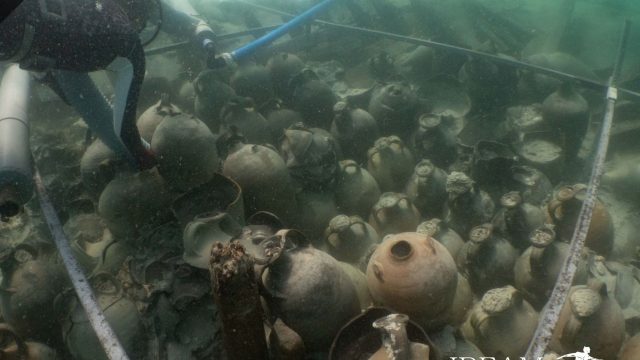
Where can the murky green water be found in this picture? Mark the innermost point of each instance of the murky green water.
(333, 177)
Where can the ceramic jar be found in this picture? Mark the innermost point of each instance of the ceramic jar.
(396, 342)
(537, 269)
(264, 179)
(502, 324)
(186, 152)
(415, 275)
(487, 259)
(394, 213)
(348, 238)
(590, 318)
(564, 209)
(427, 189)
(390, 163)
(308, 290)
(153, 116)
(467, 206)
(356, 190)
(517, 219)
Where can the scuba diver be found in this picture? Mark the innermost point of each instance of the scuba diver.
(61, 41)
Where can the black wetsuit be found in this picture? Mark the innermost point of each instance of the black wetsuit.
(81, 36)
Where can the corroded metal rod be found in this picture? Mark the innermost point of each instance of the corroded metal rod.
(235, 293)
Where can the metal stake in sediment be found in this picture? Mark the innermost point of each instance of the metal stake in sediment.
(551, 312)
(106, 336)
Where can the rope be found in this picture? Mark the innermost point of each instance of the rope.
(551, 313)
(106, 336)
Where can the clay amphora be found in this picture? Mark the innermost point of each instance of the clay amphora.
(438, 230)
(394, 107)
(19, 349)
(211, 94)
(264, 179)
(395, 342)
(308, 290)
(462, 303)
(487, 259)
(467, 206)
(253, 81)
(359, 280)
(563, 211)
(31, 280)
(534, 186)
(349, 237)
(186, 152)
(153, 88)
(88, 237)
(354, 129)
(543, 150)
(132, 201)
(282, 67)
(413, 274)
(568, 112)
(381, 66)
(502, 314)
(205, 230)
(590, 318)
(259, 227)
(221, 194)
(517, 219)
(153, 116)
(434, 141)
(631, 349)
(359, 340)
(313, 99)
(418, 64)
(314, 212)
(240, 113)
(520, 120)
(356, 190)
(186, 96)
(391, 163)
(311, 158)
(489, 84)
(279, 119)
(98, 167)
(538, 86)
(427, 189)
(284, 343)
(394, 213)
(492, 162)
(120, 312)
(537, 269)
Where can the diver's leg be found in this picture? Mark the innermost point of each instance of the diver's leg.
(129, 74)
(81, 93)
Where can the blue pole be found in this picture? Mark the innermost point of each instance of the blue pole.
(246, 50)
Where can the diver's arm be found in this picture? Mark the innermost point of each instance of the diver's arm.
(130, 69)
